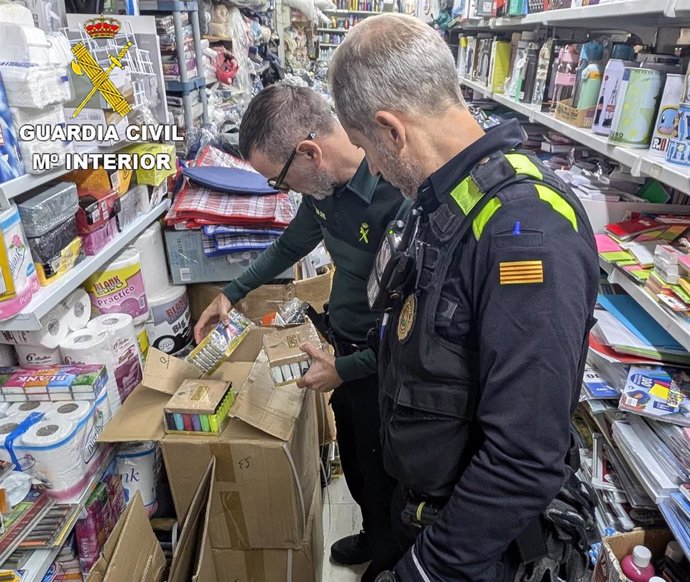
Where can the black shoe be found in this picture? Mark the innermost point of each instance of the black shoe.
(352, 550)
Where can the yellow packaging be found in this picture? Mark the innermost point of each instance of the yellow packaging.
(164, 154)
(101, 180)
(500, 65)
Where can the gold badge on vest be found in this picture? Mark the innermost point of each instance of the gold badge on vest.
(407, 317)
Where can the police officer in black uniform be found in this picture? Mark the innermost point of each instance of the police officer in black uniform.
(490, 306)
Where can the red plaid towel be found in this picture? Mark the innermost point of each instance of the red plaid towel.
(200, 206)
(210, 156)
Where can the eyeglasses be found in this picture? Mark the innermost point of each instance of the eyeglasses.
(279, 182)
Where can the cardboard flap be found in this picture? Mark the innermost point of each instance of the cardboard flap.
(165, 373)
(263, 406)
(132, 551)
(189, 558)
(139, 419)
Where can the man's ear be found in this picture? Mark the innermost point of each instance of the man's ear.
(310, 150)
(391, 128)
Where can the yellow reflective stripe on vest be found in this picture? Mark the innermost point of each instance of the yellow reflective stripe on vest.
(523, 165)
(466, 194)
(484, 216)
(558, 203)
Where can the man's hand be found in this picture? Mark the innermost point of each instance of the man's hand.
(215, 312)
(322, 375)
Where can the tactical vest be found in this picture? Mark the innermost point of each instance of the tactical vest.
(430, 386)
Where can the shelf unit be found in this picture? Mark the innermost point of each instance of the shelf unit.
(49, 297)
(37, 565)
(644, 11)
(640, 162)
(185, 85)
(676, 327)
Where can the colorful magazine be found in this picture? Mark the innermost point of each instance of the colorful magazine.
(658, 392)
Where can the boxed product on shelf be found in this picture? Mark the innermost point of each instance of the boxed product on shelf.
(189, 264)
(98, 118)
(44, 208)
(272, 439)
(577, 117)
(96, 209)
(102, 180)
(79, 381)
(163, 152)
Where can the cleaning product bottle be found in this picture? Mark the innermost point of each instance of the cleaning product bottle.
(637, 566)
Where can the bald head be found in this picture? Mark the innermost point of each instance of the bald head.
(396, 63)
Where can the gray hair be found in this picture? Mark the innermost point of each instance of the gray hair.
(281, 116)
(392, 62)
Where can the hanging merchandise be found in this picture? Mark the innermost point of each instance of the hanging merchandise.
(18, 280)
(119, 288)
(78, 307)
(679, 147)
(138, 468)
(541, 82)
(87, 346)
(170, 327)
(153, 260)
(608, 95)
(566, 73)
(636, 112)
(666, 124)
(125, 349)
(37, 355)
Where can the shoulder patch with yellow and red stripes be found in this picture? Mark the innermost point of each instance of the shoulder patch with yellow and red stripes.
(521, 272)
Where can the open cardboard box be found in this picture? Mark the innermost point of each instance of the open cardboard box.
(133, 553)
(267, 461)
(266, 298)
(615, 548)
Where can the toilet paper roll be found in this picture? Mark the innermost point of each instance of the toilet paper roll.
(125, 349)
(26, 408)
(153, 260)
(54, 330)
(37, 355)
(119, 288)
(8, 356)
(137, 466)
(92, 346)
(78, 307)
(170, 327)
(74, 410)
(55, 446)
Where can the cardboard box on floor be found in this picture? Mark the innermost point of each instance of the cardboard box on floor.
(303, 564)
(267, 461)
(266, 298)
(615, 548)
(132, 551)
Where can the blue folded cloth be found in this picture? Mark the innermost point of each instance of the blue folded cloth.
(229, 180)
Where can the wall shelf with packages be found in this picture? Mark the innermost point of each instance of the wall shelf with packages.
(13, 188)
(39, 562)
(49, 297)
(640, 162)
(659, 11)
(185, 86)
(679, 329)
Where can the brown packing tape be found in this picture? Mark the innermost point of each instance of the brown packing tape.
(231, 502)
(225, 464)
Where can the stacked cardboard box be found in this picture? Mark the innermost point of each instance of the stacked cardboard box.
(265, 500)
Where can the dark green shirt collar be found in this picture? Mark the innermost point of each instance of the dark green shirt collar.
(363, 183)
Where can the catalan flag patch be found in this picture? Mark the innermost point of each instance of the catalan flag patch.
(521, 272)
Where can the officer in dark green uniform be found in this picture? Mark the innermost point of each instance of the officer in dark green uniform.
(291, 136)
(483, 351)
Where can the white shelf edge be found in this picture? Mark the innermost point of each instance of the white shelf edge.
(640, 161)
(50, 296)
